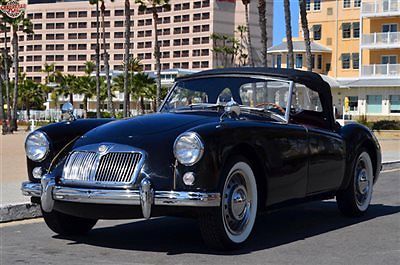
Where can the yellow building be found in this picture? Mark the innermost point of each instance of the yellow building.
(357, 45)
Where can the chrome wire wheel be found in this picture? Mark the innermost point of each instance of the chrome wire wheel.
(239, 202)
(363, 181)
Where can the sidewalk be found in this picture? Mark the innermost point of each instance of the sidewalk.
(13, 165)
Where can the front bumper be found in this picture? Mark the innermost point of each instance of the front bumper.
(145, 196)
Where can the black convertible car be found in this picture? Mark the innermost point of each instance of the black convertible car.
(225, 145)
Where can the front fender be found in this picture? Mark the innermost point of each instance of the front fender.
(357, 136)
(61, 134)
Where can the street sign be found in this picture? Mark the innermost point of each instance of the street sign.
(13, 8)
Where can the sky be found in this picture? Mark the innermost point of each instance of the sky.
(279, 20)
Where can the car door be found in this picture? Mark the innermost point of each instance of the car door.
(326, 149)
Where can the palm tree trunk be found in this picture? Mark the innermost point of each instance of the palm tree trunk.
(157, 55)
(85, 106)
(110, 107)
(306, 33)
(7, 79)
(142, 104)
(71, 98)
(2, 112)
(262, 20)
(289, 39)
(126, 57)
(98, 114)
(14, 126)
(249, 47)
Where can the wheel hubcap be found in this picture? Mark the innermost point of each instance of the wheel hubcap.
(362, 182)
(236, 203)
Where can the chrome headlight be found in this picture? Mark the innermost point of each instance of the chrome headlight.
(37, 146)
(188, 148)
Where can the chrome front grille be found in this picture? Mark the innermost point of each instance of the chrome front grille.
(93, 167)
(117, 167)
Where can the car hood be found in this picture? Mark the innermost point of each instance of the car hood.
(151, 126)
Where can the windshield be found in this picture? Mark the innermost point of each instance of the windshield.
(251, 93)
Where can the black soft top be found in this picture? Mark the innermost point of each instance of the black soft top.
(311, 80)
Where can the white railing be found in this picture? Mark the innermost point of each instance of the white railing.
(381, 39)
(377, 70)
(380, 7)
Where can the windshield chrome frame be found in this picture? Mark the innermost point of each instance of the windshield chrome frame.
(290, 92)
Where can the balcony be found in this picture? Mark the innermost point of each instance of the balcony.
(380, 8)
(381, 40)
(380, 70)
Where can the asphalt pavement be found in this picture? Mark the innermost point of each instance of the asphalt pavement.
(313, 233)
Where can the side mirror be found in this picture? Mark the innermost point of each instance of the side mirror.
(67, 111)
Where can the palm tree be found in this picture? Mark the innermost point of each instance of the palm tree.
(87, 88)
(127, 44)
(110, 106)
(262, 20)
(68, 85)
(241, 29)
(2, 112)
(154, 5)
(30, 95)
(289, 39)
(49, 69)
(246, 4)
(306, 33)
(141, 82)
(6, 69)
(96, 2)
(26, 26)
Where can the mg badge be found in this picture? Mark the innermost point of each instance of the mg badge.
(103, 148)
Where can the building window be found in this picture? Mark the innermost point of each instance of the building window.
(299, 60)
(312, 61)
(345, 61)
(346, 3)
(317, 32)
(317, 5)
(356, 29)
(389, 27)
(357, 3)
(356, 61)
(319, 61)
(308, 5)
(374, 104)
(119, 12)
(346, 30)
(394, 101)
(389, 59)
(353, 103)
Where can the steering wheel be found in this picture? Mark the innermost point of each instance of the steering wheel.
(274, 105)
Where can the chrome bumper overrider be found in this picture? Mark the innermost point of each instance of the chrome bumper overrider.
(145, 196)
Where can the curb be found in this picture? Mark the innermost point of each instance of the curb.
(390, 165)
(21, 211)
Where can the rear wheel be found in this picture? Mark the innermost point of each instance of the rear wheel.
(64, 224)
(354, 201)
(230, 225)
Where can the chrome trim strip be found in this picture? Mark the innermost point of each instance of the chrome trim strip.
(125, 197)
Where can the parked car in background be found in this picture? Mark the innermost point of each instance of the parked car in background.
(225, 145)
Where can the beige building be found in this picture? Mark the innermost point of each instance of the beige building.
(65, 34)
(358, 48)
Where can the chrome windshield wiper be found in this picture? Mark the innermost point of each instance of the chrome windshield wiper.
(198, 106)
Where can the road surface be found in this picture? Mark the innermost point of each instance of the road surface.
(313, 233)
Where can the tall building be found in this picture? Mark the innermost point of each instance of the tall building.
(65, 34)
(357, 45)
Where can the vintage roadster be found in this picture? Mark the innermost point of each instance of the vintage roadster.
(225, 145)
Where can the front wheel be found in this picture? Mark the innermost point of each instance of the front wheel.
(230, 225)
(354, 200)
(66, 225)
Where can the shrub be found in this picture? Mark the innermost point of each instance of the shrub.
(386, 125)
